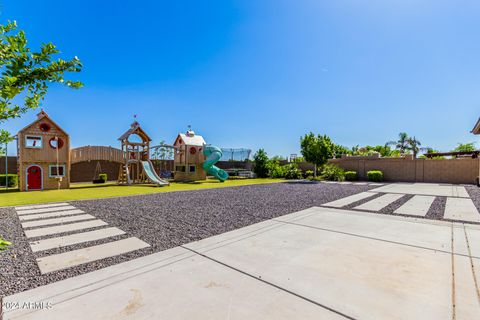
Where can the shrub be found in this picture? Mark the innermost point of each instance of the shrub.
(103, 176)
(351, 176)
(4, 244)
(308, 173)
(292, 171)
(333, 173)
(275, 170)
(375, 175)
(12, 180)
(261, 164)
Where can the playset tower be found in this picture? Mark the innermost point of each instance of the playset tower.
(43, 155)
(189, 157)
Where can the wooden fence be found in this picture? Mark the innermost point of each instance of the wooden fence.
(95, 153)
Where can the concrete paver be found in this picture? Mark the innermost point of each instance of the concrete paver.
(43, 210)
(417, 206)
(461, 209)
(58, 220)
(58, 242)
(39, 206)
(431, 189)
(50, 215)
(45, 231)
(73, 258)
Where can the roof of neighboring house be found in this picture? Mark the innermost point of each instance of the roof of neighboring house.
(190, 139)
(40, 116)
(476, 129)
(135, 129)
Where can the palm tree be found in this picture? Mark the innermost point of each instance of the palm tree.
(402, 143)
(414, 145)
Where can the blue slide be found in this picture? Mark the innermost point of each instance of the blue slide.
(214, 154)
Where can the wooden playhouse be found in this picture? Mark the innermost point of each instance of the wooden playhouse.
(43, 155)
(189, 158)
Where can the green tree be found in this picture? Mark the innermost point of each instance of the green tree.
(401, 144)
(415, 146)
(340, 150)
(316, 149)
(4, 139)
(465, 147)
(26, 73)
(261, 164)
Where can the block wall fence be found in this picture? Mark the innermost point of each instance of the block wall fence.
(407, 169)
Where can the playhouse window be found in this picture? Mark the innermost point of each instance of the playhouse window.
(192, 168)
(56, 171)
(33, 142)
(180, 168)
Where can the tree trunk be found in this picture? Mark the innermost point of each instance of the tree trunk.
(315, 172)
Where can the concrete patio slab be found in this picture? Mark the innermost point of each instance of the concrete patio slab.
(320, 263)
(39, 206)
(350, 199)
(64, 228)
(417, 206)
(183, 286)
(50, 215)
(461, 209)
(58, 242)
(58, 220)
(430, 189)
(73, 258)
(43, 210)
(379, 203)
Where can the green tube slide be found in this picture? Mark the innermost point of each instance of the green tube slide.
(213, 155)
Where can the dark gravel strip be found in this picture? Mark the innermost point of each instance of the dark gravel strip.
(437, 208)
(390, 209)
(163, 220)
(360, 202)
(474, 193)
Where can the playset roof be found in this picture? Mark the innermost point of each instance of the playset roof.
(135, 129)
(40, 116)
(190, 139)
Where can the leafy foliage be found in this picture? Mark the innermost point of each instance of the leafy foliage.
(4, 244)
(28, 73)
(261, 164)
(402, 143)
(333, 173)
(351, 176)
(103, 176)
(465, 147)
(316, 149)
(12, 180)
(292, 171)
(275, 170)
(375, 175)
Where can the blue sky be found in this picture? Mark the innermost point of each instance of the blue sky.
(255, 74)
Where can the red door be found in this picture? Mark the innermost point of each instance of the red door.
(34, 178)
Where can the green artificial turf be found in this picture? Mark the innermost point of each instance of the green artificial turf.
(13, 197)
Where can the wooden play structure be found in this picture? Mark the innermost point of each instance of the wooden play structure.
(43, 155)
(137, 167)
(189, 158)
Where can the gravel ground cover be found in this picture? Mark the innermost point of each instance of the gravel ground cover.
(474, 193)
(163, 220)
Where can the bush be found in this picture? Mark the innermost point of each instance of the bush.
(308, 173)
(375, 176)
(103, 176)
(333, 173)
(275, 170)
(292, 171)
(4, 244)
(261, 164)
(12, 180)
(351, 176)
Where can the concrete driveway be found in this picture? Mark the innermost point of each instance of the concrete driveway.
(320, 263)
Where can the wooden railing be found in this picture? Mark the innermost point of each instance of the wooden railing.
(95, 153)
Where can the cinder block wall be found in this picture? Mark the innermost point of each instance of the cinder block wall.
(464, 170)
(12, 165)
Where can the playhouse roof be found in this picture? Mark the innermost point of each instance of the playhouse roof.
(476, 129)
(190, 139)
(135, 129)
(40, 116)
